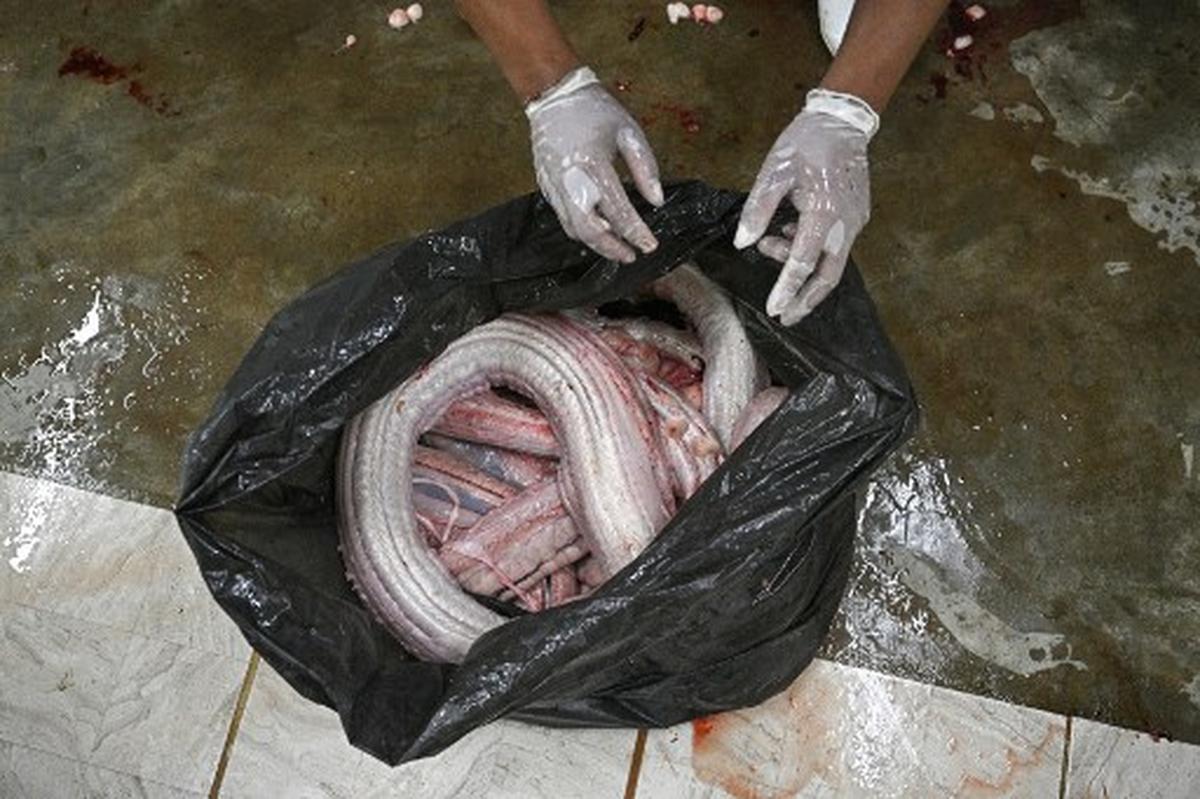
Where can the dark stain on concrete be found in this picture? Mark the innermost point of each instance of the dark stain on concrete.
(86, 62)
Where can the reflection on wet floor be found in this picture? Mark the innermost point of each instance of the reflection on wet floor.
(924, 542)
(1032, 250)
(933, 597)
(75, 405)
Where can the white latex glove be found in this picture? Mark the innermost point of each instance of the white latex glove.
(577, 129)
(819, 162)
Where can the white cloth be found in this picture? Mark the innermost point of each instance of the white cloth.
(834, 16)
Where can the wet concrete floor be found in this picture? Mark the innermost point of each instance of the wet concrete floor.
(1034, 250)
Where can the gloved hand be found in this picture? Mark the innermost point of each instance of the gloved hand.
(819, 162)
(577, 128)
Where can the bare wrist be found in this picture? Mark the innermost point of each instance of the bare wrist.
(866, 90)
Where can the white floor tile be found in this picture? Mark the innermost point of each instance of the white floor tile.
(112, 652)
(118, 676)
(290, 747)
(169, 713)
(845, 732)
(58, 676)
(509, 760)
(178, 606)
(73, 552)
(31, 774)
(1107, 762)
(107, 561)
(125, 703)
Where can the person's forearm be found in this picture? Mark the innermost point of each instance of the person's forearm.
(881, 41)
(524, 39)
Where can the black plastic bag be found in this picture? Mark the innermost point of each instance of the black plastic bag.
(726, 606)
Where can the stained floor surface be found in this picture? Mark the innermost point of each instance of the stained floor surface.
(174, 172)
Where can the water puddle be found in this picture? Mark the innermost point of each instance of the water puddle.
(67, 411)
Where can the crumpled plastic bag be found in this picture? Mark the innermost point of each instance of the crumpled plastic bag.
(726, 606)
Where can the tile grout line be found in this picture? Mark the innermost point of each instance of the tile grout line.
(1066, 761)
(235, 722)
(635, 764)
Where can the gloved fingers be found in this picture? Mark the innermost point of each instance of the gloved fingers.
(580, 194)
(596, 234)
(775, 247)
(559, 204)
(643, 166)
(615, 207)
(816, 289)
(769, 190)
(807, 245)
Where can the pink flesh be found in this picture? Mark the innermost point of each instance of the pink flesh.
(498, 572)
(517, 538)
(459, 471)
(567, 556)
(437, 509)
(473, 490)
(526, 545)
(487, 418)
(515, 468)
(645, 357)
(592, 350)
(561, 586)
(677, 373)
(590, 572)
(690, 443)
(681, 345)
(519, 560)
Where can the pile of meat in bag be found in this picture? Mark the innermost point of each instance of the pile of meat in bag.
(537, 456)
